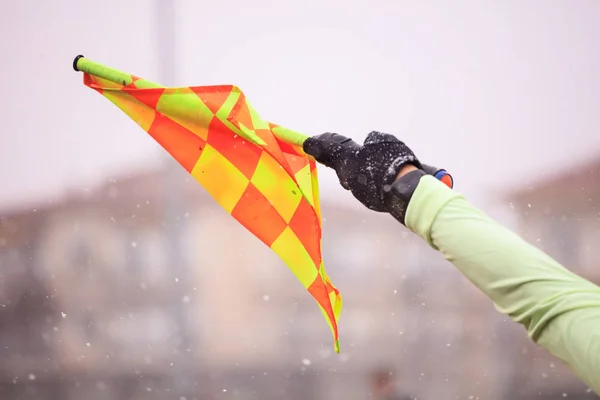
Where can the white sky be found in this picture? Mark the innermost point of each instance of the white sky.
(497, 92)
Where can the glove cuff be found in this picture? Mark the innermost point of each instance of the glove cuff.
(390, 175)
(398, 194)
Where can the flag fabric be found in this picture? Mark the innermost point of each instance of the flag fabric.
(268, 185)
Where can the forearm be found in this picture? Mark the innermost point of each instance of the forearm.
(560, 310)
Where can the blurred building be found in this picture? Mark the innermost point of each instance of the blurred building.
(561, 216)
(93, 306)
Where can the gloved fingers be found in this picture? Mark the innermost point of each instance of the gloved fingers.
(344, 170)
(375, 137)
(330, 149)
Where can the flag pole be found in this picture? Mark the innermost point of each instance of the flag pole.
(82, 64)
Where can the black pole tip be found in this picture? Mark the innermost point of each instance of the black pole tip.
(75, 62)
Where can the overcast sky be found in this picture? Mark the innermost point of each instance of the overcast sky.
(498, 92)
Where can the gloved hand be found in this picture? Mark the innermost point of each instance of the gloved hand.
(368, 171)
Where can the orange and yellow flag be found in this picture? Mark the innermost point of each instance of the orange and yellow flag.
(270, 186)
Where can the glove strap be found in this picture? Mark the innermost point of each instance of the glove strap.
(398, 194)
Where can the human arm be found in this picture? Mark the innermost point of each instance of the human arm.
(560, 310)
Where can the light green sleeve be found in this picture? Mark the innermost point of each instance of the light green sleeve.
(559, 309)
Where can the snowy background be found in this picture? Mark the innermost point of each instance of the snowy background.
(107, 293)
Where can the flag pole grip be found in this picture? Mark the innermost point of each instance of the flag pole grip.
(82, 64)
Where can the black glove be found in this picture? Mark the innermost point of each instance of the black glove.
(368, 171)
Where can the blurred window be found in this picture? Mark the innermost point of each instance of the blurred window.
(149, 255)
